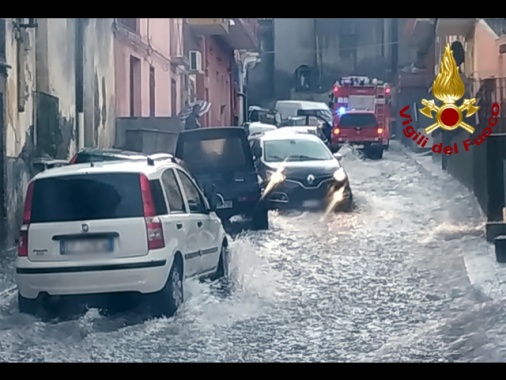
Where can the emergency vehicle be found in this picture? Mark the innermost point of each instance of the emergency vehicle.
(360, 93)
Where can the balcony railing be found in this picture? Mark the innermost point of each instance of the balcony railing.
(243, 34)
(454, 26)
(418, 30)
(209, 26)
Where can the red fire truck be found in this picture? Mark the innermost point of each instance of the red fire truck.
(359, 93)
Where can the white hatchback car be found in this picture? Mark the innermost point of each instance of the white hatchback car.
(117, 228)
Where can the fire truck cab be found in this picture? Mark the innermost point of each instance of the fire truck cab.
(361, 94)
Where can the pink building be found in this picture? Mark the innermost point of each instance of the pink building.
(216, 77)
(149, 76)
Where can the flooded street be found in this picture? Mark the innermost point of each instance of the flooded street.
(387, 282)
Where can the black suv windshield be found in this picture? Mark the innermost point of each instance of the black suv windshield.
(295, 150)
(223, 154)
(358, 120)
(86, 197)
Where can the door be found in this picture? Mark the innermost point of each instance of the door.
(95, 216)
(358, 127)
(207, 226)
(180, 224)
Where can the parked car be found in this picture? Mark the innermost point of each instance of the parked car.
(295, 108)
(361, 130)
(258, 128)
(308, 125)
(299, 171)
(87, 155)
(221, 157)
(96, 230)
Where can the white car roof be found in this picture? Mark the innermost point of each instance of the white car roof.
(287, 134)
(304, 104)
(106, 167)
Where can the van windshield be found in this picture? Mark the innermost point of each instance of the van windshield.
(86, 197)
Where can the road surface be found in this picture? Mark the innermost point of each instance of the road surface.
(387, 282)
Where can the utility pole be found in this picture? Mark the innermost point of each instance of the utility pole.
(246, 60)
(3, 178)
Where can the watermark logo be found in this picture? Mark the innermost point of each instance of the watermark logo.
(448, 88)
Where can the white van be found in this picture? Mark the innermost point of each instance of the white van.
(290, 108)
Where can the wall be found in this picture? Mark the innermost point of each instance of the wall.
(152, 47)
(367, 53)
(55, 69)
(261, 76)
(219, 62)
(295, 45)
(19, 110)
(98, 87)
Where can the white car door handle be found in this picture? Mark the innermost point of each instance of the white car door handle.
(199, 224)
(179, 226)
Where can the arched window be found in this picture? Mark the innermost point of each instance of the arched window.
(303, 78)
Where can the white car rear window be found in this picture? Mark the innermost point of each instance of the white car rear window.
(87, 197)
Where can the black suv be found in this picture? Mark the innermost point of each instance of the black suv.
(221, 157)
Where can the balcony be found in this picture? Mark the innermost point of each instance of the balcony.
(454, 26)
(418, 30)
(209, 26)
(242, 34)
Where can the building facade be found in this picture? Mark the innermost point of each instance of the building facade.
(150, 74)
(58, 96)
(214, 75)
(310, 54)
(478, 46)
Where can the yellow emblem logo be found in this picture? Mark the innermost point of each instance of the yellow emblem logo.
(448, 88)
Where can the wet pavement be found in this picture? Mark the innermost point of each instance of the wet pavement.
(392, 281)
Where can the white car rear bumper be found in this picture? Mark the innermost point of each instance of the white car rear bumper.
(143, 277)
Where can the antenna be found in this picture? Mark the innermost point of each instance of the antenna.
(151, 162)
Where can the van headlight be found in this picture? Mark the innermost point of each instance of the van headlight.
(340, 175)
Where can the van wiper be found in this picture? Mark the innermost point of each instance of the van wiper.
(276, 158)
(301, 157)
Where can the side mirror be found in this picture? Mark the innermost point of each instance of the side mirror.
(211, 196)
(338, 156)
(257, 153)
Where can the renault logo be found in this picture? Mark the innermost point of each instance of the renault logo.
(85, 227)
(310, 179)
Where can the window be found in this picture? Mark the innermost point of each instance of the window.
(158, 197)
(303, 78)
(135, 86)
(358, 120)
(295, 150)
(173, 97)
(87, 197)
(152, 92)
(130, 23)
(195, 200)
(175, 199)
(216, 154)
(347, 27)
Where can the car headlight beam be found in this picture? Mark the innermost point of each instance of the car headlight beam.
(340, 175)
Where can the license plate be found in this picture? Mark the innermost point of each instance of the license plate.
(87, 246)
(225, 204)
(359, 146)
(311, 203)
